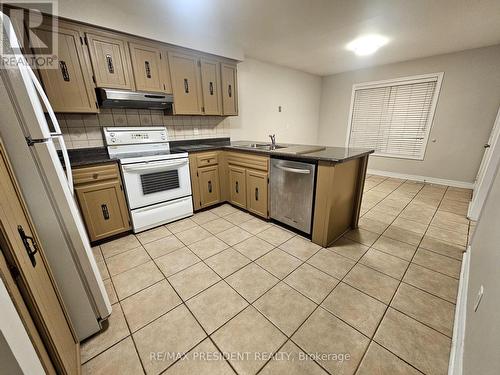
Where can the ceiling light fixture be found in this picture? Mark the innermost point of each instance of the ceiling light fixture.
(367, 44)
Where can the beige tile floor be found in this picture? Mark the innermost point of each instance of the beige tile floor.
(381, 300)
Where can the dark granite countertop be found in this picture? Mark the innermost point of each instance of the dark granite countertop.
(295, 151)
(98, 155)
(87, 156)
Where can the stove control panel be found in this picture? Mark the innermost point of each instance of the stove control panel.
(131, 136)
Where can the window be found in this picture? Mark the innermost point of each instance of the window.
(394, 117)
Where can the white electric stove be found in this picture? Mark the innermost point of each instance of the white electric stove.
(157, 182)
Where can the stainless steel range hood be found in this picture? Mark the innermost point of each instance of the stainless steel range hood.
(109, 98)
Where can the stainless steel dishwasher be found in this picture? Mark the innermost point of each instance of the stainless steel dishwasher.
(292, 193)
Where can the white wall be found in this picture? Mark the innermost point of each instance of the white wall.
(482, 327)
(465, 113)
(262, 87)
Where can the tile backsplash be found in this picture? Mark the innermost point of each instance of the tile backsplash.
(84, 130)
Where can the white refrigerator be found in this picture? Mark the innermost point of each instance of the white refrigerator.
(48, 190)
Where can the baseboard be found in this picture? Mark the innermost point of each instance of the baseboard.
(414, 177)
(455, 366)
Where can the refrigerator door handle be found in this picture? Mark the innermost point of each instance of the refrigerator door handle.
(57, 134)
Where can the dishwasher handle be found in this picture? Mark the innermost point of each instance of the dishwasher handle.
(293, 170)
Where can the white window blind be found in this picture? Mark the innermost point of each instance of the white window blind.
(394, 117)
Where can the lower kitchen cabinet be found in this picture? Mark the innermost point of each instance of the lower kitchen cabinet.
(208, 180)
(99, 191)
(205, 178)
(236, 177)
(237, 186)
(256, 186)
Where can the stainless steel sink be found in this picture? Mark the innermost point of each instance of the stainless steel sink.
(262, 146)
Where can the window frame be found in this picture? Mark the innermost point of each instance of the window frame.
(399, 81)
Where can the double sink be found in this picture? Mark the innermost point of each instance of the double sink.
(262, 146)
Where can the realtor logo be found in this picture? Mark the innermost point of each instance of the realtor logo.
(36, 32)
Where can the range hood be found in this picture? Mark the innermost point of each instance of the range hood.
(111, 98)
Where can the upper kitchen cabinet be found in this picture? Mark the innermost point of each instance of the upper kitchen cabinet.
(229, 90)
(150, 67)
(110, 60)
(210, 87)
(68, 86)
(184, 73)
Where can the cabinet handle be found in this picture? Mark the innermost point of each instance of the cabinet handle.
(148, 69)
(237, 187)
(105, 212)
(209, 186)
(211, 88)
(256, 194)
(109, 62)
(31, 253)
(229, 91)
(64, 70)
(186, 86)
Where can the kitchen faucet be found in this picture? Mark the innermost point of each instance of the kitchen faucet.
(273, 140)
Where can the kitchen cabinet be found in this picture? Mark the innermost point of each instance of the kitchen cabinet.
(208, 179)
(99, 191)
(257, 183)
(110, 59)
(185, 76)
(90, 57)
(237, 177)
(237, 186)
(247, 179)
(204, 169)
(69, 87)
(210, 87)
(229, 90)
(150, 67)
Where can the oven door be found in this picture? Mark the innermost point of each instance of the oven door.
(153, 182)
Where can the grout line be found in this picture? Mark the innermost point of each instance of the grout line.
(392, 298)
(281, 280)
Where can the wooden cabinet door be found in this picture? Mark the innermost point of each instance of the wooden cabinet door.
(208, 178)
(229, 90)
(25, 257)
(257, 192)
(210, 87)
(110, 60)
(184, 74)
(237, 186)
(103, 208)
(69, 87)
(148, 67)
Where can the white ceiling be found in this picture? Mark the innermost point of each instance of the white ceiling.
(309, 35)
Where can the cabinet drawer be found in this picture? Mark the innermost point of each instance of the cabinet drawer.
(96, 173)
(206, 159)
(248, 160)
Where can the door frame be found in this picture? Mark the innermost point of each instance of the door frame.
(486, 172)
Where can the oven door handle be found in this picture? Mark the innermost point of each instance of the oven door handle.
(168, 164)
